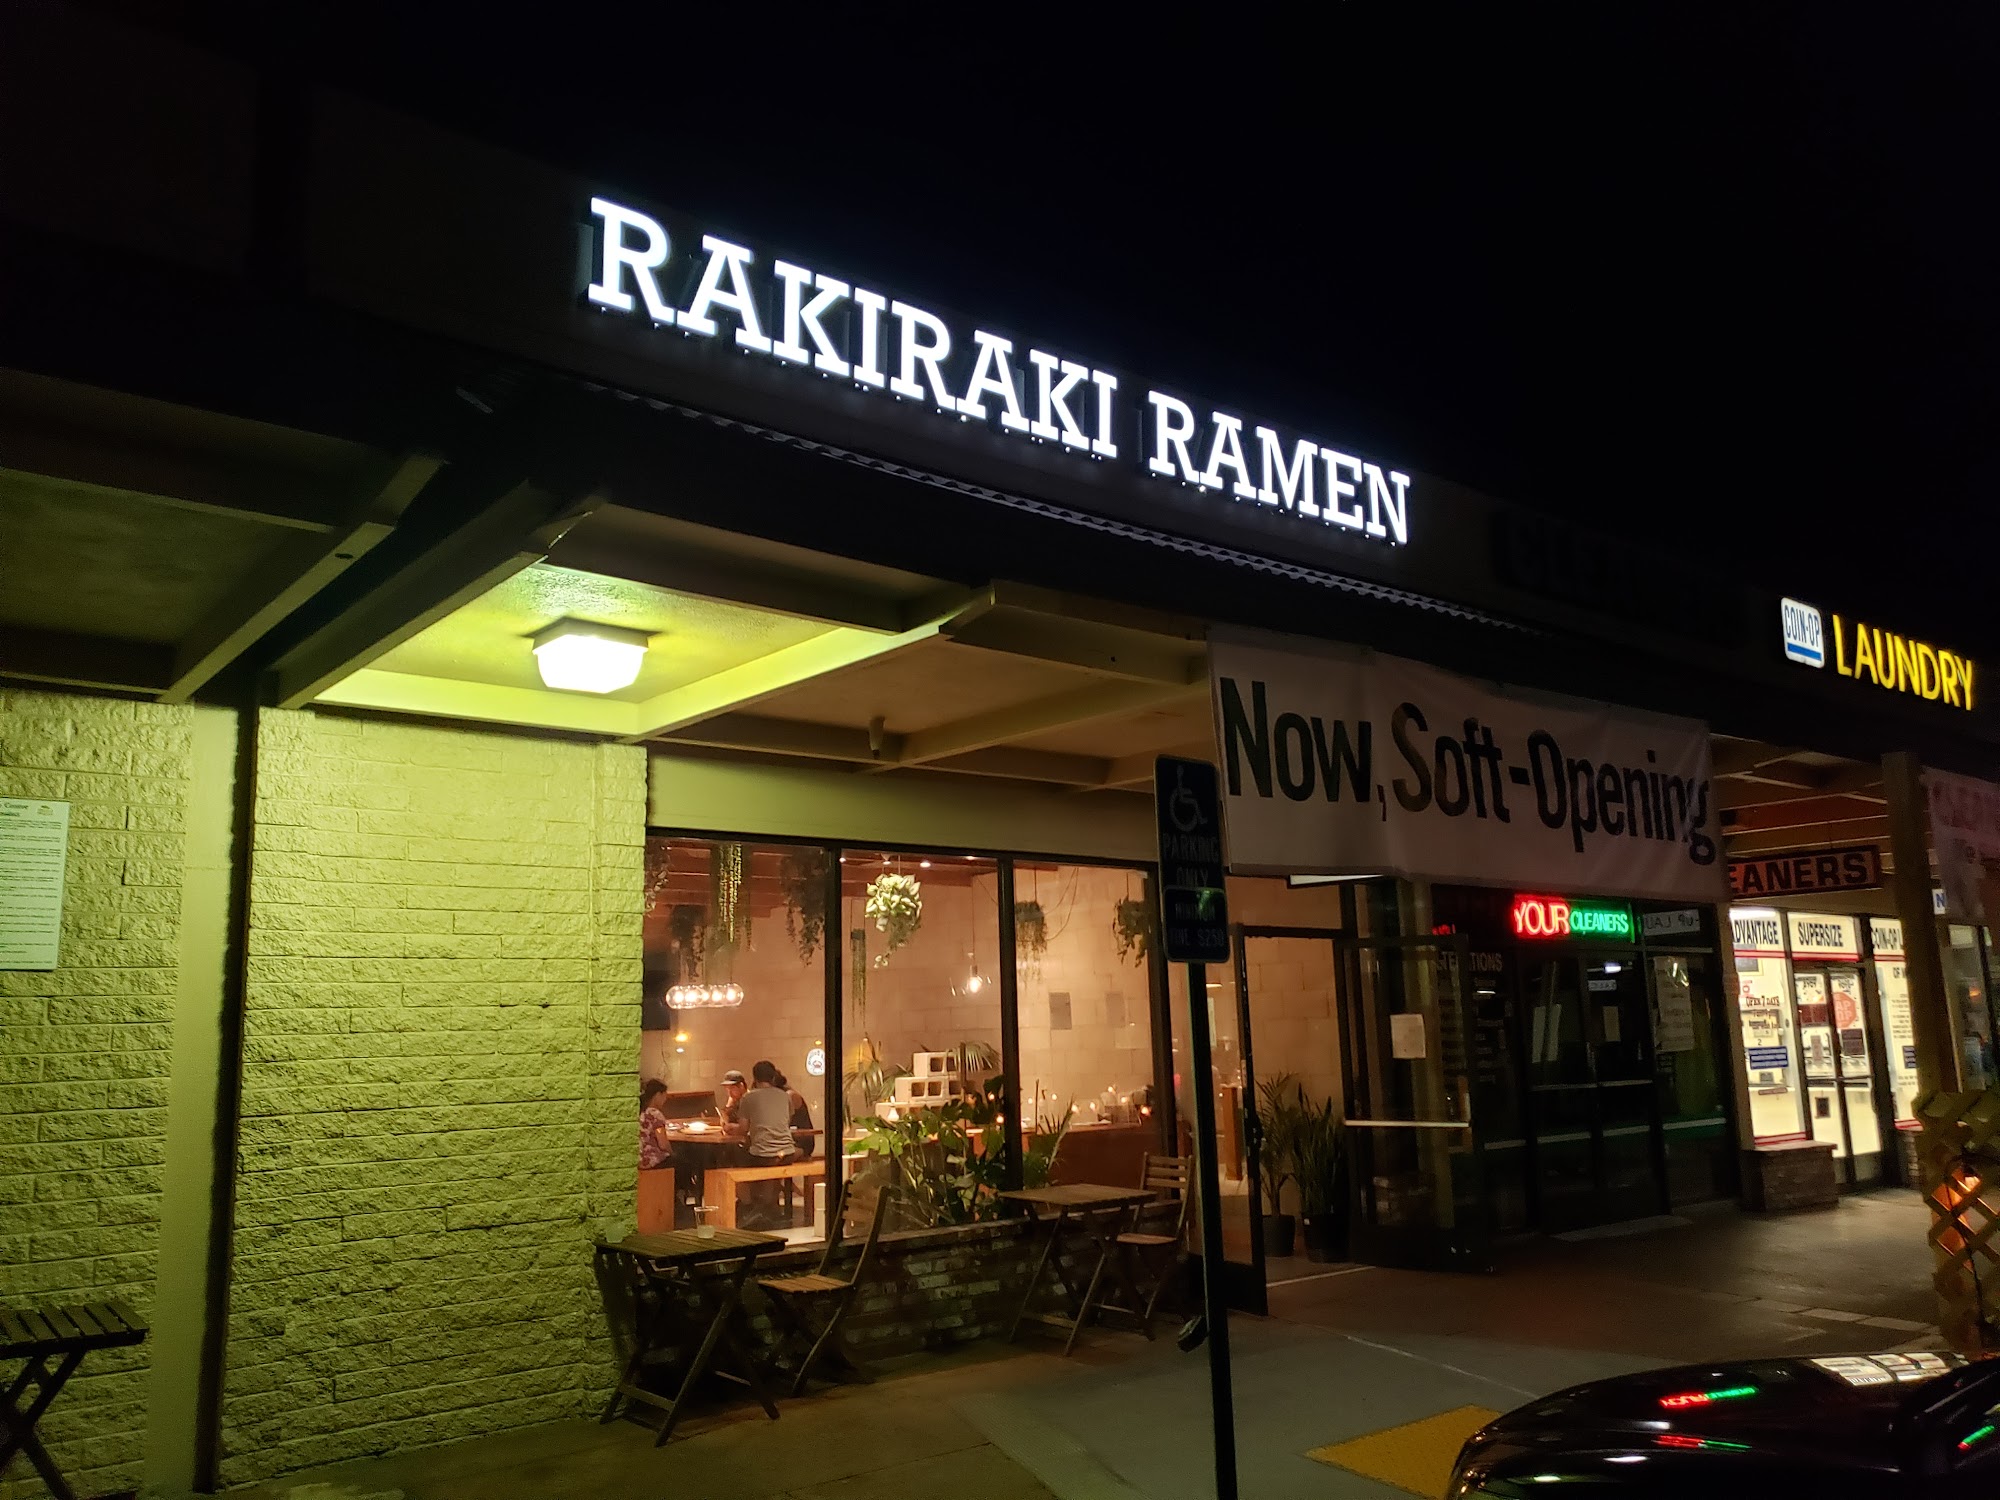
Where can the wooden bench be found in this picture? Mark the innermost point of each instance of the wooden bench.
(52, 1341)
(719, 1184)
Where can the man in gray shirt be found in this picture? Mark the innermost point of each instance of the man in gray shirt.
(767, 1110)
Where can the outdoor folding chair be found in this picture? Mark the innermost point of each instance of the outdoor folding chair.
(1150, 1250)
(811, 1308)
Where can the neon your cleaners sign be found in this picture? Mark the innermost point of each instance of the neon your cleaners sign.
(796, 315)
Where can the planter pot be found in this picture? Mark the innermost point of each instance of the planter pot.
(1280, 1234)
(1324, 1236)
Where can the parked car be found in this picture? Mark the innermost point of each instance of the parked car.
(1876, 1425)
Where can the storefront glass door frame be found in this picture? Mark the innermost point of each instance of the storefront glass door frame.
(1592, 1092)
(1854, 1172)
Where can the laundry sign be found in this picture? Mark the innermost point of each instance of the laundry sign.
(1347, 761)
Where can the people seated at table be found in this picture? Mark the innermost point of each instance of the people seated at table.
(766, 1109)
(802, 1121)
(653, 1149)
(733, 1088)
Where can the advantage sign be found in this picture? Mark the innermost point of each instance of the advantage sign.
(1857, 868)
(1194, 912)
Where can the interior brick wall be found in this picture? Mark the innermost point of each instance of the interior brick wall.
(1100, 1052)
(85, 1052)
(440, 1052)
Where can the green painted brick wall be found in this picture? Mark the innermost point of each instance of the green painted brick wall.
(440, 1068)
(85, 1053)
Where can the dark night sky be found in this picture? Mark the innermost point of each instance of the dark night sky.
(1716, 279)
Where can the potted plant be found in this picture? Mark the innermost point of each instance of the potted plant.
(1319, 1152)
(1280, 1108)
(870, 1079)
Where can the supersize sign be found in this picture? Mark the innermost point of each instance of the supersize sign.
(841, 330)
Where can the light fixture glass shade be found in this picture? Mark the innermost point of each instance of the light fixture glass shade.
(580, 657)
(705, 996)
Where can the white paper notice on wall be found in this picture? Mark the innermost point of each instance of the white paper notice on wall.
(1406, 1036)
(1612, 1024)
(34, 849)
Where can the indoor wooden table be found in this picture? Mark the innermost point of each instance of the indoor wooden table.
(1094, 1212)
(661, 1268)
(695, 1151)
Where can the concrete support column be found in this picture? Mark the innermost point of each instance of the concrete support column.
(1931, 1013)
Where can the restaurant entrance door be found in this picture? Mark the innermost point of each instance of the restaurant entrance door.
(1416, 1188)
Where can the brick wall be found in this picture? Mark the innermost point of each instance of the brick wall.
(85, 1049)
(932, 1289)
(441, 1040)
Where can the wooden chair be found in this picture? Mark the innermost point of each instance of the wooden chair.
(1151, 1247)
(811, 1308)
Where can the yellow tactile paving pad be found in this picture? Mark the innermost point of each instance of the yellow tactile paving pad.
(1416, 1456)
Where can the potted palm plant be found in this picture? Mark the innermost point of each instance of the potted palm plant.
(1280, 1108)
(1321, 1176)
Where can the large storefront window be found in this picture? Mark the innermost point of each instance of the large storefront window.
(922, 1026)
(733, 1015)
(1764, 982)
(1966, 976)
(1083, 939)
(752, 1100)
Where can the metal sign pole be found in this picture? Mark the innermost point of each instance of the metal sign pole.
(1194, 926)
(1215, 1307)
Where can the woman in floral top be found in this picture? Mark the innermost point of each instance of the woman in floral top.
(652, 1125)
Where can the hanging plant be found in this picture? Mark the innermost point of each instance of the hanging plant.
(1133, 923)
(1031, 933)
(896, 907)
(803, 876)
(730, 921)
(686, 929)
(659, 870)
(857, 984)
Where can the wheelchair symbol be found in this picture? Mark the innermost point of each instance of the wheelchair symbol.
(1182, 806)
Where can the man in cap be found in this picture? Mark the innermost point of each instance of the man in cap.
(733, 1086)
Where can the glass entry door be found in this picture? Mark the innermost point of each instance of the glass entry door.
(1839, 1076)
(1593, 1109)
(1416, 1195)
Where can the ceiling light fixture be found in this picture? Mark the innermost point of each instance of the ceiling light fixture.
(580, 656)
(705, 996)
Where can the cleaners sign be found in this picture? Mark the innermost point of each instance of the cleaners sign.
(1354, 763)
(706, 287)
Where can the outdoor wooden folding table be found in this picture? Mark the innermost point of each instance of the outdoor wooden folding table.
(52, 1342)
(1096, 1212)
(663, 1270)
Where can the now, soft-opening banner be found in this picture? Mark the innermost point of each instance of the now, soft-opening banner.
(1344, 761)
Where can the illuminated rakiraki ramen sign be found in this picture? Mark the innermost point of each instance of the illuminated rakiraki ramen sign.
(793, 314)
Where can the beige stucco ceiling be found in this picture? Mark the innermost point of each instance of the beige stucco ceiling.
(931, 684)
(101, 562)
(487, 640)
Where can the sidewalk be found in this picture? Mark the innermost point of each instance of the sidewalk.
(1361, 1383)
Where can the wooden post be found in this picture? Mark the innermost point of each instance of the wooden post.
(1931, 1020)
